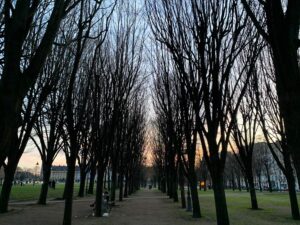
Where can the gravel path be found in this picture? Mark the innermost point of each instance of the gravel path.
(146, 207)
(150, 207)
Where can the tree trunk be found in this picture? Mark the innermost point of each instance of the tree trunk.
(68, 193)
(126, 185)
(163, 184)
(254, 204)
(169, 183)
(298, 179)
(9, 114)
(99, 193)
(109, 182)
(105, 178)
(172, 188)
(284, 36)
(113, 182)
(92, 180)
(181, 184)
(220, 201)
(86, 184)
(130, 185)
(239, 183)
(246, 183)
(293, 197)
(194, 194)
(82, 181)
(6, 187)
(64, 193)
(289, 174)
(44, 190)
(297, 168)
(269, 178)
(232, 181)
(121, 185)
(259, 182)
(205, 184)
(175, 187)
(159, 183)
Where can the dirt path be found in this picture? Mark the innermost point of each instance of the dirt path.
(146, 207)
(149, 208)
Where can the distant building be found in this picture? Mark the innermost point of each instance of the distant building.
(263, 158)
(265, 170)
(59, 173)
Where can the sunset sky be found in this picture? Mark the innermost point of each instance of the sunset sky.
(31, 156)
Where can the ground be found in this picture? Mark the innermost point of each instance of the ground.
(31, 192)
(150, 207)
(145, 207)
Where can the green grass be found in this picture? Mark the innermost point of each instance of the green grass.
(31, 192)
(274, 208)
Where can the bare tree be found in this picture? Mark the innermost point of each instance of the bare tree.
(85, 155)
(87, 13)
(158, 158)
(117, 80)
(274, 127)
(48, 126)
(102, 112)
(244, 136)
(127, 42)
(136, 159)
(166, 108)
(27, 43)
(205, 38)
(20, 72)
(204, 174)
(278, 23)
(188, 149)
(231, 172)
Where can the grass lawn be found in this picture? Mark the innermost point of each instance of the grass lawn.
(32, 192)
(274, 208)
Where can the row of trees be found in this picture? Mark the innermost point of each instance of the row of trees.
(266, 173)
(222, 75)
(72, 81)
